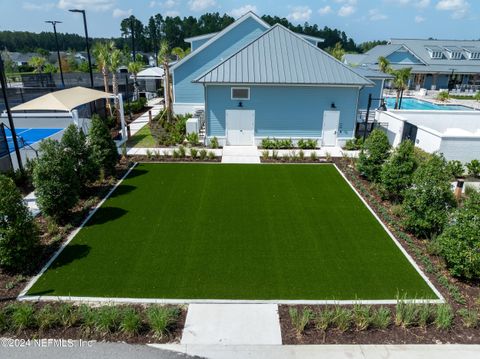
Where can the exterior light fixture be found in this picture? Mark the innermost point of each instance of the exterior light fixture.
(240, 104)
(333, 105)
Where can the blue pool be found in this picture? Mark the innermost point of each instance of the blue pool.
(409, 103)
(28, 136)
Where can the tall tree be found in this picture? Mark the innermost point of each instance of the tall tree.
(101, 52)
(134, 68)
(180, 53)
(164, 56)
(114, 63)
(37, 62)
(400, 82)
(384, 64)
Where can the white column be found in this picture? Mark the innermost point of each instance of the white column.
(75, 118)
(122, 117)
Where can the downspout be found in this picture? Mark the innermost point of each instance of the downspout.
(205, 113)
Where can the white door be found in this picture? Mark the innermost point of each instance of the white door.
(240, 125)
(331, 119)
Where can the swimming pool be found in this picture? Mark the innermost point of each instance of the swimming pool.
(409, 103)
(29, 136)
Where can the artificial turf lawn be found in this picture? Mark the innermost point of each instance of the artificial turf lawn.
(211, 231)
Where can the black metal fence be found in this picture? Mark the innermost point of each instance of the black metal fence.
(5, 159)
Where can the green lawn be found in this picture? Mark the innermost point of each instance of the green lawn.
(142, 139)
(210, 231)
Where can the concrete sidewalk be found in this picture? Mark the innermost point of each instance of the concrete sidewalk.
(328, 351)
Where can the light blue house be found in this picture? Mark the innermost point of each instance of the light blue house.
(256, 81)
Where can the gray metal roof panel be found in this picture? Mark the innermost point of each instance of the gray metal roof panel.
(279, 56)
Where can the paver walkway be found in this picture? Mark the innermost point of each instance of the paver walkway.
(240, 154)
(232, 324)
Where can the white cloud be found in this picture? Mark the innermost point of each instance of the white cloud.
(200, 5)
(422, 4)
(94, 5)
(29, 6)
(121, 13)
(325, 10)
(346, 10)
(459, 8)
(300, 13)
(419, 19)
(242, 10)
(376, 15)
(168, 4)
(172, 13)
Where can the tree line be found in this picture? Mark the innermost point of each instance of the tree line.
(172, 29)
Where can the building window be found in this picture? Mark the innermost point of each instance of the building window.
(240, 93)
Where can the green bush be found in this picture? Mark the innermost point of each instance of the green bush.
(22, 316)
(427, 203)
(313, 156)
(18, 232)
(104, 151)
(374, 153)
(211, 155)
(56, 183)
(455, 168)
(342, 319)
(68, 315)
(193, 153)
(406, 313)
(47, 317)
(469, 317)
(308, 144)
(397, 172)
(353, 144)
(74, 142)
(135, 106)
(362, 317)
(324, 319)
(4, 320)
(459, 243)
(300, 318)
(443, 96)
(160, 319)
(473, 168)
(444, 317)
(203, 154)
(214, 142)
(192, 138)
(131, 322)
(275, 143)
(182, 152)
(381, 318)
(107, 319)
(87, 318)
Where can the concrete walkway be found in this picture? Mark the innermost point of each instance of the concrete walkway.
(240, 154)
(31, 202)
(232, 324)
(328, 351)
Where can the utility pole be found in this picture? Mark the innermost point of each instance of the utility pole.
(54, 23)
(88, 44)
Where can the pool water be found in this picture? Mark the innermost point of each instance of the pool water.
(409, 103)
(29, 136)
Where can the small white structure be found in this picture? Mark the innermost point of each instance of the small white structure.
(456, 134)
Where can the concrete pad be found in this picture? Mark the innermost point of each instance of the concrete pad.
(240, 159)
(240, 154)
(327, 351)
(232, 324)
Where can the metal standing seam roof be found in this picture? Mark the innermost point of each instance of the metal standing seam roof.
(279, 56)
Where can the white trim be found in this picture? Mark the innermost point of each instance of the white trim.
(233, 88)
(282, 84)
(248, 15)
(23, 293)
(200, 37)
(409, 258)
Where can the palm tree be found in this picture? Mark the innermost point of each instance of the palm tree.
(384, 65)
(114, 63)
(180, 53)
(400, 82)
(134, 68)
(164, 57)
(37, 62)
(101, 52)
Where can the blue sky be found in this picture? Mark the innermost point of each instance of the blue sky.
(361, 19)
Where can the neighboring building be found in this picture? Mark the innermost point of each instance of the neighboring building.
(436, 64)
(454, 133)
(256, 81)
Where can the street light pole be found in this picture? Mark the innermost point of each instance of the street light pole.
(3, 83)
(54, 23)
(88, 45)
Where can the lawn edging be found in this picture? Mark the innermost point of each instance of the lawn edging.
(441, 298)
(23, 294)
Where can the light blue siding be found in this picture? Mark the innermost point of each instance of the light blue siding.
(197, 43)
(403, 57)
(376, 92)
(285, 111)
(187, 92)
(441, 82)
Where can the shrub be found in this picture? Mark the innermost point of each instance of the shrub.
(324, 319)
(405, 314)
(74, 141)
(203, 154)
(361, 317)
(268, 143)
(192, 138)
(107, 319)
(18, 232)
(455, 168)
(56, 183)
(427, 203)
(397, 172)
(374, 153)
(301, 155)
(161, 319)
(381, 318)
(47, 317)
(424, 315)
(104, 150)
(265, 154)
(68, 315)
(211, 155)
(87, 318)
(182, 152)
(443, 96)
(214, 142)
(308, 144)
(22, 316)
(131, 322)
(469, 317)
(313, 156)
(343, 319)
(275, 154)
(353, 144)
(276, 143)
(3, 320)
(300, 319)
(444, 317)
(135, 106)
(473, 168)
(193, 153)
(175, 154)
(460, 241)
